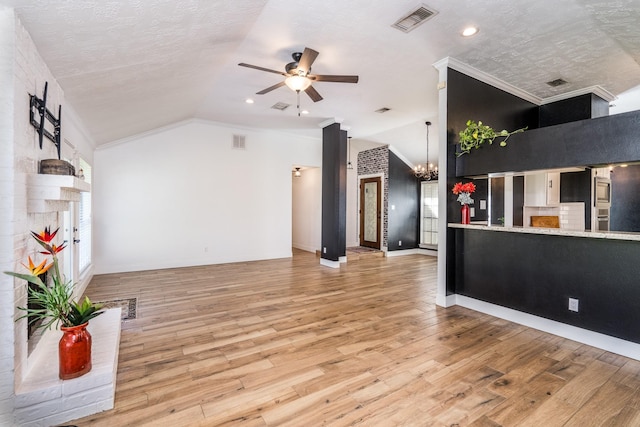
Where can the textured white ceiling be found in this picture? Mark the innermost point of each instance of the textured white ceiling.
(132, 66)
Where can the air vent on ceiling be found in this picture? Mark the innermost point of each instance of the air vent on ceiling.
(557, 82)
(383, 110)
(414, 18)
(280, 106)
(239, 142)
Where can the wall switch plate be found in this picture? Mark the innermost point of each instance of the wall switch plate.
(573, 304)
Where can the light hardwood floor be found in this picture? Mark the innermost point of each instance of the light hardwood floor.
(291, 343)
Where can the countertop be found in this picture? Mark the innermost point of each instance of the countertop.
(615, 235)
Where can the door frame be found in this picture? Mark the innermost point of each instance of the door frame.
(381, 218)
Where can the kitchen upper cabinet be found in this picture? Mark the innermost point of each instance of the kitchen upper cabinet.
(542, 189)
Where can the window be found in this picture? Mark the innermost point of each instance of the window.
(429, 225)
(84, 223)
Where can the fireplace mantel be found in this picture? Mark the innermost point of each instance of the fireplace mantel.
(52, 193)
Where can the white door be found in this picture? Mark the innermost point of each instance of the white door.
(70, 234)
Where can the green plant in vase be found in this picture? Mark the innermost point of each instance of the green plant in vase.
(53, 303)
(476, 134)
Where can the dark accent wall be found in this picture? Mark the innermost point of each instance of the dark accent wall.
(482, 193)
(334, 192)
(497, 200)
(581, 107)
(468, 98)
(625, 199)
(600, 141)
(576, 187)
(404, 196)
(518, 200)
(537, 274)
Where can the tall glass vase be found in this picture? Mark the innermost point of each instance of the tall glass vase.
(466, 215)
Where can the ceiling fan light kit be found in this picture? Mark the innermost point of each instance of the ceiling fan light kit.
(297, 83)
(298, 75)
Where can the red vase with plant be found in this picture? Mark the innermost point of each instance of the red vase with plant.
(55, 304)
(464, 191)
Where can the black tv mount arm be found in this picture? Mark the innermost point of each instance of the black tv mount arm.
(38, 106)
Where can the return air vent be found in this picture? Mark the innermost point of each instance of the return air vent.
(280, 106)
(557, 82)
(239, 142)
(414, 18)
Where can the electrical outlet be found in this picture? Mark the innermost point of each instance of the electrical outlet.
(206, 249)
(324, 250)
(399, 242)
(573, 304)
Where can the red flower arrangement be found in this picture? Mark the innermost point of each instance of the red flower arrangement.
(468, 188)
(463, 192)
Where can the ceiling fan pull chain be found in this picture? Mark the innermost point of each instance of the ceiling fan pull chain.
(298, 93)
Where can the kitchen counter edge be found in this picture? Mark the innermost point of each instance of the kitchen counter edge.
(552, 231)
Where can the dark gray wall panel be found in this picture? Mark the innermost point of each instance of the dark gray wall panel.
(537, 274)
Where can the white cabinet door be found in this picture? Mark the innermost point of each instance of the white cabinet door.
(553, 188)
(542, 189)
(535, 193)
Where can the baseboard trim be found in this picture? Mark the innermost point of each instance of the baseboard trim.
(584, 336)
(414, 251)
(329, 263)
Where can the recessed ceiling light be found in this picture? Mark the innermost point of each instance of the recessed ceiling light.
(470, 31)
(249, 101)
(304, 112)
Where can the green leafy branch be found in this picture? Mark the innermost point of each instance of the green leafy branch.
(477, 134)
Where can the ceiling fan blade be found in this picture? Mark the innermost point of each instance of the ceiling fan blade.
(308, 56)
(333, 78)
(255, 67)
(270, 88)
(313, 94)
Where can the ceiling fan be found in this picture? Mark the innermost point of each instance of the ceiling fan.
(298, 75)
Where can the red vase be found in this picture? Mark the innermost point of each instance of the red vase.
(74, 351)
(466, 215)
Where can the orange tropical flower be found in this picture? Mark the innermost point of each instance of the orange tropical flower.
(37, 270)
(45, 236)
(52, 249)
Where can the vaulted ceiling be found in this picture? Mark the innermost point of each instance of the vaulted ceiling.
(131, 66)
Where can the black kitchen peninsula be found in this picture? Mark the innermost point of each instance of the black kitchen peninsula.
(537, 270)
(528, 274)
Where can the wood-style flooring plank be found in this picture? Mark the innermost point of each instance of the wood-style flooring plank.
(289, 342)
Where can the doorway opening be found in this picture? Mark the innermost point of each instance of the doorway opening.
(370, 212)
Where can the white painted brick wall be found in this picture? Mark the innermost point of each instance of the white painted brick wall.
(7, 52)
(23, 70)
(45, 400)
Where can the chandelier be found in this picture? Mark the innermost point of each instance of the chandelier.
(427, 172)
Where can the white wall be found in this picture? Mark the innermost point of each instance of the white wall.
(182, 196)
(307, 210)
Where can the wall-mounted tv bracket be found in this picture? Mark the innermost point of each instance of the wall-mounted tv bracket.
(38, 106)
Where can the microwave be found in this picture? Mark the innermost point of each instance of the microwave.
(602, 192)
